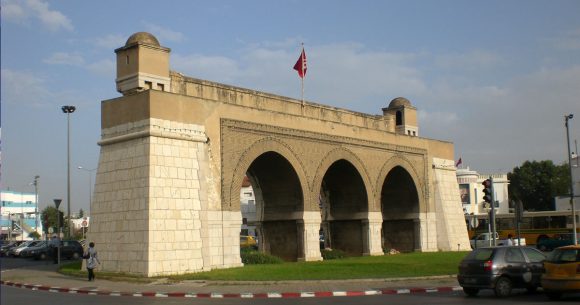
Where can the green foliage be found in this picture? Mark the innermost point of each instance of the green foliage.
(536, 183)
(81, 213)
(328, 254)
(34, 235)
(49, 213)
(252, 257)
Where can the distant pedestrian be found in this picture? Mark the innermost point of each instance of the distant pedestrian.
(54, 244)
(92, 260)
(510, 240)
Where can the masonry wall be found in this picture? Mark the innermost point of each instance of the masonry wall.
(171, 165)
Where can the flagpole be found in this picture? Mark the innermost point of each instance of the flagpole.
(302, 78)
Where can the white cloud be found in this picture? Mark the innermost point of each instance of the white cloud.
(21, 11)
(24, 88)
(13, 11)
(473, 60)
(105, 67)
(569, 41)
(164, 34)
(216, 68)
(54, 20)
(110, 42)
(63, 58)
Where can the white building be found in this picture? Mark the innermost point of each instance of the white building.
(471, 191)
(248, 207)
(18, 215)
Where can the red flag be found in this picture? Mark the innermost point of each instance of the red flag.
(458, 162)
(300, 65)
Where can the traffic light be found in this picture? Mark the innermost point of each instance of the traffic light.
(487, 191)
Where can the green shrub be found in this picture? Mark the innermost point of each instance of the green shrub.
(328, 254)
(253, 257)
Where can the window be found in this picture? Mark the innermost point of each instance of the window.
(534, 256)
(248, 194)
(399, 118)
(244, 221)
(127, 59)
(514, 256)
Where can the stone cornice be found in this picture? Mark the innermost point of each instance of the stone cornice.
(318, 137)
(151, 128)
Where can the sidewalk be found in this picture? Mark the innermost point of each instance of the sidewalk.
(46, 278)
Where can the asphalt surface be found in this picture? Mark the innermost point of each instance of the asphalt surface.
(46, 277)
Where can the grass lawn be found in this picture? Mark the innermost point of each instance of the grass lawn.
(367, 267)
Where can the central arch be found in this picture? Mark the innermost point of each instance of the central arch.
(400, 210)
(343, 200)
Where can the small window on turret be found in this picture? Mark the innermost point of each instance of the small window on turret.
(127, 59)
(399, 117)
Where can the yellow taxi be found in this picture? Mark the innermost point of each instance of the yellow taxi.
(247, 241)
(562, 272)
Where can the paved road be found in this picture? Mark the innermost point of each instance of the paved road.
(11, 295)
(29, 271)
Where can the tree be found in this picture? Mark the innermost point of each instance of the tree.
(536, 183)
(52, 218)
(81, 213)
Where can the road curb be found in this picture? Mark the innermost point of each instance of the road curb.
(217, 295)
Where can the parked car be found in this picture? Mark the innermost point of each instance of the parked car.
(501, 269)
(69, 249)
(31, 250)
(549, 244)
(562, 272)
(4, 250)
(16, 251)
(247, 241)
(485, 240)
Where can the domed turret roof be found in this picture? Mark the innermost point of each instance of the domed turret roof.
(399, 102)
(143, 37)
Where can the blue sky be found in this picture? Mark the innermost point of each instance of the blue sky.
(494, 77)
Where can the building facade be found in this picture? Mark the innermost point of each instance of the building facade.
(175, 151)
(18, 215)
(471, 192)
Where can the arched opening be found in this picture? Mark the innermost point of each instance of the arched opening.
(399, 118)
(343, 204)
(278, 203)
(400, 209)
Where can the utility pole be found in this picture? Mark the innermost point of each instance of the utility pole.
(575, 235)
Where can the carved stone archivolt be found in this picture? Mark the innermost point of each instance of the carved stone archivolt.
(311, 154)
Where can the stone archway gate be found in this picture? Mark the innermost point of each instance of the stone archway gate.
(172, 161)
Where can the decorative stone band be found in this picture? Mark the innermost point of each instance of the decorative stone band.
(444, 164)
(153, 128)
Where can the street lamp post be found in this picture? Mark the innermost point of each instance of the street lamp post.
(68, 110)
(575, 235)
(35, 183)
(90, 171)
